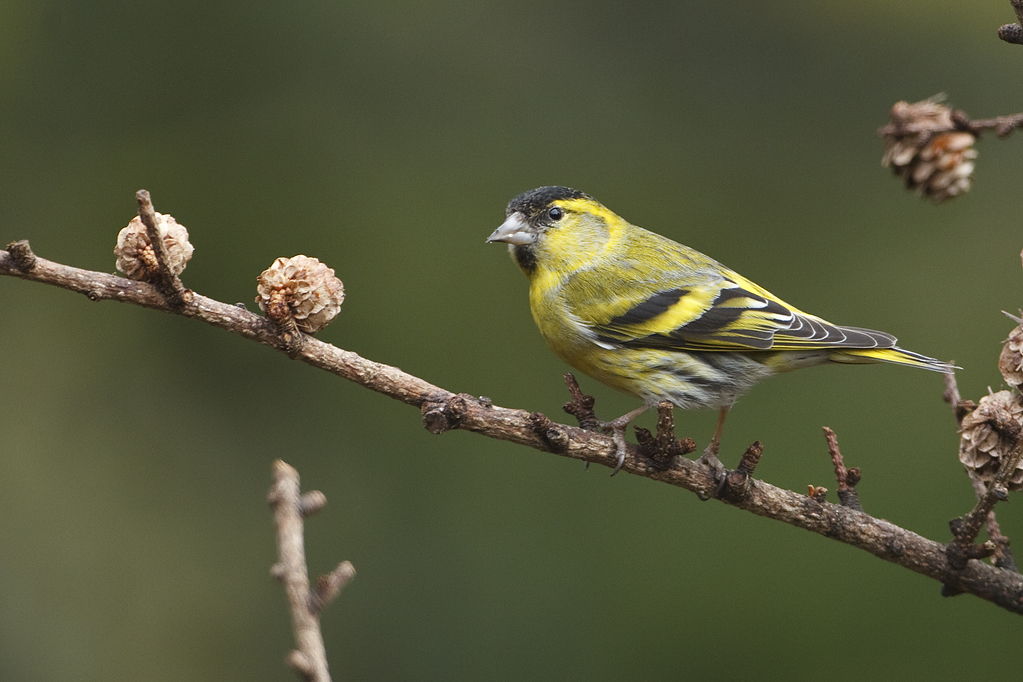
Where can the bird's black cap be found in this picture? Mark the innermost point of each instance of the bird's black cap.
(535, 200)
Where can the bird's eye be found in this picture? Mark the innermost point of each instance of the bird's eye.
(555, 213)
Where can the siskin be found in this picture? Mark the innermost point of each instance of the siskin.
(660, 321)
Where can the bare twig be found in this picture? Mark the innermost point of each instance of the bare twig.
(581, 405)
(447, 410)
(960, 407)
(169, 283)
(664, 447)
(1002, 556)
(846, 478)
(330, 585)
(966, 528)
(739, 481)
(960, 121)
(1002, 125)
(309, 659)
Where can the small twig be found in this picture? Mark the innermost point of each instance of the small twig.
(739, 481)
(966, 528)
(169, 283)
(846, 478)
(309, 659)
(311, 502)
(1002, 125)
(328, 586)
(581, 405)
(1013, 33)
(663, 447)
(960, 407)
(1003, 555)
(751, 458)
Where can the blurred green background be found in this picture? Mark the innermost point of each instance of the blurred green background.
(385, 138)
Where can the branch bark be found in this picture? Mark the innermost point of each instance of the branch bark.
(443, 410)
(170, 284)
(1002, 125)
(290, 507)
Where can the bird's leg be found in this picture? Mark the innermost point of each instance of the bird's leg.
(710, 455)
(617, 429)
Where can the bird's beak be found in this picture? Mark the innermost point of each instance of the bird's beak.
(515, 231)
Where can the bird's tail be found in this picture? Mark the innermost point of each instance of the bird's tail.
(894, 355)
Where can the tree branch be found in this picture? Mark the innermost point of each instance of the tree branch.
(960, 121)
(169, 283)
(290, 508)
(846, 478)
(966, 528)
(443, 410)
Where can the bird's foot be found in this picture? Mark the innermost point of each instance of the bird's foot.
(617, 428)
(717, 470)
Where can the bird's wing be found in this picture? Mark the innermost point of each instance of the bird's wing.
(728, 314)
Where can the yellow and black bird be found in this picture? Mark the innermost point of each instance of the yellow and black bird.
(660, 321)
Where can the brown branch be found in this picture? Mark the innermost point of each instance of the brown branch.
(330, 585)
(581, 405)
(960, 121)
(1002, 125)
(100, 286)
(1002, 556)
(664, 447)
(290, 507)
(739, 481)
(443, 410)
(846, 478)
(169, 283)
(966, 528)
(960, 407)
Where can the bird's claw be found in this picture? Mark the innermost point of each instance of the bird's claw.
(717, 470)
(617, 428)
(618, 435)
